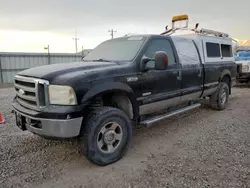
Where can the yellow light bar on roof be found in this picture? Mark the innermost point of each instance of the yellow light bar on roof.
(180, 17)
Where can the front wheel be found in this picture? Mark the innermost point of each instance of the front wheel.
(105, 136)
(219, 99)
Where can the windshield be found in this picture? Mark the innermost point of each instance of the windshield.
(121, 49)
(242, 56)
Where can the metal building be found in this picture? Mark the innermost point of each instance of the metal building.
(11, 63)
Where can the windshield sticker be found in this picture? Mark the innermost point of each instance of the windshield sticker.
(135, 38)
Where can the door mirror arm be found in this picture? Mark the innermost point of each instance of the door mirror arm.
(144, 61)
(160, 59)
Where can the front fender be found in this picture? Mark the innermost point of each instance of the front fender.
(113, 86)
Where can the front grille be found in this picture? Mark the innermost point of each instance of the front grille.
(32, 93)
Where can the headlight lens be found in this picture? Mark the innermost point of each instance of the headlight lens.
(245, 68)
(62, 95)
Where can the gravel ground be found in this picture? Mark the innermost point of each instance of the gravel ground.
(202, 148)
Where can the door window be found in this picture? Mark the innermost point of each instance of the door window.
(186, 50)
(160, 45)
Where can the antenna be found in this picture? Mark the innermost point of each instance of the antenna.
(196, 26)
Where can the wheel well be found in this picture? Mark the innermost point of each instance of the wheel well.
(227, 79)
(117, 99)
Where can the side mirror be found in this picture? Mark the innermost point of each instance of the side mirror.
(161, 60)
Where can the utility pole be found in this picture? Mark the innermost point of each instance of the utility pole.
(1, 72)
(47, 48)
(82, 52)
(76, 39)
(112, 33)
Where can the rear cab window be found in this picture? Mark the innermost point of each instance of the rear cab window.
(216, 51)
(226, 50)
(213, 49)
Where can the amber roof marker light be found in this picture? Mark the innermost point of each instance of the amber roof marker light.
(180, 17)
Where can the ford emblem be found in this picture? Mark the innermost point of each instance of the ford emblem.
(20, 91)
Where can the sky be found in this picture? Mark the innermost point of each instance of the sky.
(30, 25)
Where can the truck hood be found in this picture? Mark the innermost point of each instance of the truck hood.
(245, 62)
(49, 72)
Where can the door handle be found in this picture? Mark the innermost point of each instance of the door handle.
(175, 72)
(178, 74)
(199, 72)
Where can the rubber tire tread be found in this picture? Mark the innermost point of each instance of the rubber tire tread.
(88, 131)
(214, 99)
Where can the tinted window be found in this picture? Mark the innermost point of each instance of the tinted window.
(160, 45)
(186, 51)
(121, 49)
(213, 49)
(226, 50)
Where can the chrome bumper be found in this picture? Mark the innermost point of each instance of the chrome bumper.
(57, 128)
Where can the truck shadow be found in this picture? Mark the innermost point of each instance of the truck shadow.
(242, 86)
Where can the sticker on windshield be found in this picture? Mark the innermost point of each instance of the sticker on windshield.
(135, 38)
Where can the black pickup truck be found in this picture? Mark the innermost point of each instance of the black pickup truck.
(121, 83)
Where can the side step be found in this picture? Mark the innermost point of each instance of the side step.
(153, 120)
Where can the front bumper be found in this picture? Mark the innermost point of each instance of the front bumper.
(243, 77)
(57, 127)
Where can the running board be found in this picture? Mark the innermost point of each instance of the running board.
(153, 120)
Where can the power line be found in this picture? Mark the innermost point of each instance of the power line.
(112, 33)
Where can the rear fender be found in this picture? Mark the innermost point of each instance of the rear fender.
(225, 73)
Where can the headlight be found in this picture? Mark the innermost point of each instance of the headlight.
(62, 95)
(245, 68)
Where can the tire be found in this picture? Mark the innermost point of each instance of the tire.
(219, 100)
(103, 130)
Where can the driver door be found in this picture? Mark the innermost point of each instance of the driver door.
(160, 89)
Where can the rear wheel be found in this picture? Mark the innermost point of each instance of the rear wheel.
(219, 99)
(105, 136)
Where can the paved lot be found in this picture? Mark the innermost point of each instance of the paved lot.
(202, 148)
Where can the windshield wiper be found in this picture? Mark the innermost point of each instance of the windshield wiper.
(101, 60)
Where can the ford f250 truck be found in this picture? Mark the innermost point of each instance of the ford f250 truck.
(123, 82)
(243, 64)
